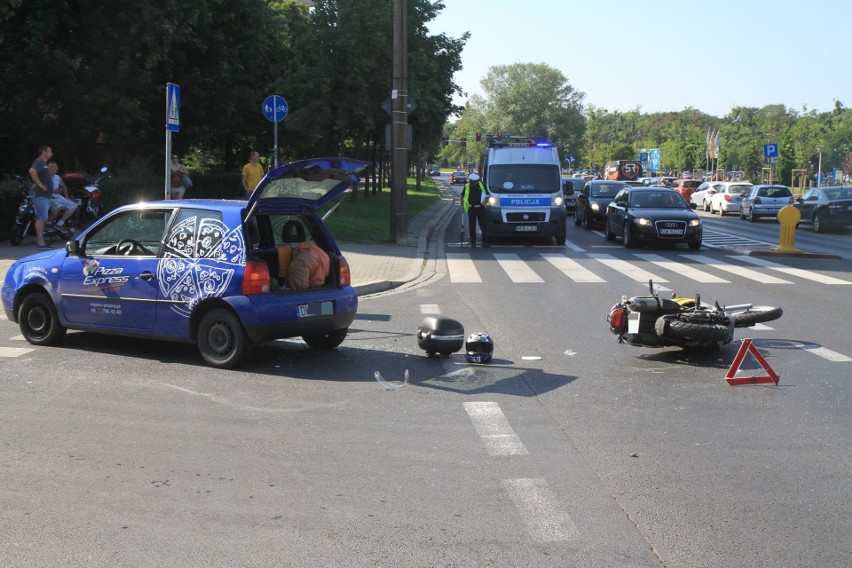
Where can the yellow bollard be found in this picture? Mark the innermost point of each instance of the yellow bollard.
(788, 218)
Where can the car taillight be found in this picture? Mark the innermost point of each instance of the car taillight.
(757, 201)
(618, 320)
(256, 278)
(344, 278)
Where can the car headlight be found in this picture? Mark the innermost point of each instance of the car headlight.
(596, 207)
(491, 200)
(695, 222)
(557, 201)
(642, 221)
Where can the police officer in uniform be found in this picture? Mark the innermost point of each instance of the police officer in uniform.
(473, 200)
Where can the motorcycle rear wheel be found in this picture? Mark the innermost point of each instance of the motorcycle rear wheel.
(677, 329)
(757, 314)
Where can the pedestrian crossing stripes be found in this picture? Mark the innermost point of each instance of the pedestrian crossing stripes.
(462, 268)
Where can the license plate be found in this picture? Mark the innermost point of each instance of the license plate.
(633, 322)
(316, 309)
(671, 232)
(526, 228)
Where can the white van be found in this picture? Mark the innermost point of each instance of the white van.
(524, 182)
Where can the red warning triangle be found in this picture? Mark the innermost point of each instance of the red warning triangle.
(748, 347)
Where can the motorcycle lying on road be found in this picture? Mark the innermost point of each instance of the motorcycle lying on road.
(654, 321)
(25, 220)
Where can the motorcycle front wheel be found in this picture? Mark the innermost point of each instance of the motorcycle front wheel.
(16, 235)
(757, 314)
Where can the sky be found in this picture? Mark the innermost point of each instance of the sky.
(665, 55)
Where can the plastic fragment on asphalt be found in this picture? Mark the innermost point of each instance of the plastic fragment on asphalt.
(390, 385)
(570, 353)
(531, 358)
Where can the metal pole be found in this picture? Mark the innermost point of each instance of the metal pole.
(399, 125)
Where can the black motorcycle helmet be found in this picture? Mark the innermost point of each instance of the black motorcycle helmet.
(478, 348)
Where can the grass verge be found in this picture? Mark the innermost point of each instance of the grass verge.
(368, 220)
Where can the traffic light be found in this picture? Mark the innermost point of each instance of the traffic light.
(479, 136)
(464, 141)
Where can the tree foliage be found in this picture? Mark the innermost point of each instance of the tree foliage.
(88, 77)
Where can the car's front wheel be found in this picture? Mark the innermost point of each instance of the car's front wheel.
(39, 321)
(326, 340)
(222, 341)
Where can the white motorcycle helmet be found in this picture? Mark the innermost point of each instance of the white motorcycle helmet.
(478, 348)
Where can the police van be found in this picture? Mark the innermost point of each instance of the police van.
(524, 182)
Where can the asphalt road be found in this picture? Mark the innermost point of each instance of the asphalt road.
(567, 449)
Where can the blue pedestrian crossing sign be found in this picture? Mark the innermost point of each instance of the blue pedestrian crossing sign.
(274, 108)
(770, 150)
(173, 107)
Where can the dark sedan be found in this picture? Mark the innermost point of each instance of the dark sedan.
(826, 207)
(590, 208)
(652, 214)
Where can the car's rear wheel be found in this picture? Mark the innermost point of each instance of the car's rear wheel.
(326, 340)
(222, 341)
(39, 321)
(757, 314)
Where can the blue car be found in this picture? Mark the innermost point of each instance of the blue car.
(209, 272)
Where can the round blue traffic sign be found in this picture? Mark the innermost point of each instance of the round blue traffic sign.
(274, 108)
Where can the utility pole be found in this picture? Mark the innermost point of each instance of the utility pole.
(399, 125)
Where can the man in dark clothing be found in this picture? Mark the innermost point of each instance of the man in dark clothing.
(473, 199)
(41, 191)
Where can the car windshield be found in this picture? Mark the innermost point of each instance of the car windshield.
(605, 189)
(524, 178)
(657, 200)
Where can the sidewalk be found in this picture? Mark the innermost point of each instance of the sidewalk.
(375, 267)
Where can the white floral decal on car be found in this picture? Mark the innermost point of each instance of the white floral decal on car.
(199, 261)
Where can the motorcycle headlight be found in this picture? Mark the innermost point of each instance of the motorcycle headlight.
(557, 201)
(695, 223)
(642, 221)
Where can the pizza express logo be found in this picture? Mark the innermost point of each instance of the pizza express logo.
(98, 276)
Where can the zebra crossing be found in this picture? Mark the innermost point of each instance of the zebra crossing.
(594, 267)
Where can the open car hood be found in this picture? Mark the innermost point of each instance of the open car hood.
(304, 185)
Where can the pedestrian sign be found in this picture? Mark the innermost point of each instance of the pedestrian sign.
(173, 107)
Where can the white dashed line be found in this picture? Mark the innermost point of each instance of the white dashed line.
(494, 429)
(540, 510)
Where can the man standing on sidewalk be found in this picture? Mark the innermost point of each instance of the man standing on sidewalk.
(41, 191)
(252, 173)
(473, 200)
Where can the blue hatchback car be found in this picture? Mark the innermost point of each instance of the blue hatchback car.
(210, 272)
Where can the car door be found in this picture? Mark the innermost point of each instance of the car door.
(111, 282)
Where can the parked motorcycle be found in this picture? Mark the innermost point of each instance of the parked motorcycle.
(87, 193)
(25, 220)
(654, 321)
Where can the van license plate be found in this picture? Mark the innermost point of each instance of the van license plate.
(526, 228)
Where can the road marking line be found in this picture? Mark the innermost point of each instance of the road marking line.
(461, 268)
(518, 270)
(427, 309)
(494, 429)
(806, 274)
(571, 268)
(574, 247)
(738, 270)
(627, 269)
(10, 352)
(540, 510)
(824, 353)
(683, 269)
